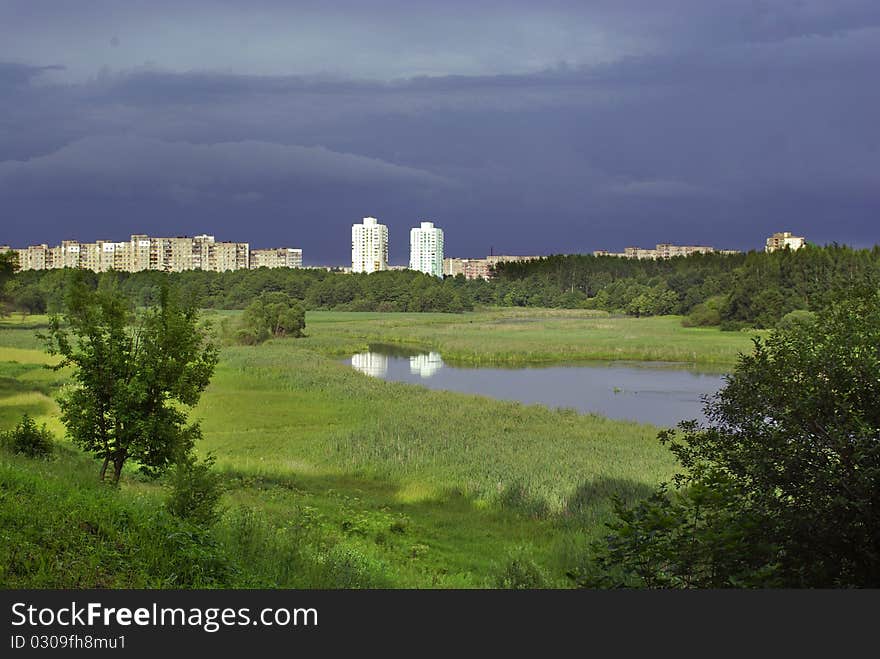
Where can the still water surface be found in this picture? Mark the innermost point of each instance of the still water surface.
(650, 392)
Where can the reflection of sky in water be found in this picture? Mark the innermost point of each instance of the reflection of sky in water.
(640, 392)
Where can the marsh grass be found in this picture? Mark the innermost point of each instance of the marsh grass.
(335, 479)
(278, 408)
(522, 336)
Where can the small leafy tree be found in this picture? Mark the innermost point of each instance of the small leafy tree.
(195, 490)
(275, 315)
(782, 486)
(28, 439)
(134, 376)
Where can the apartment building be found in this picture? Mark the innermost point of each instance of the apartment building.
(369, 246)
(480, 268)
(426, 249)
(470, 268)
(668, 251)
(663, 251)
(140, 252)
(279, 257)
(639, 253)
(783, 240)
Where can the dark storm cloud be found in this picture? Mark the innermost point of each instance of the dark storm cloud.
(14, 74)
(134, 166)
(559, 127)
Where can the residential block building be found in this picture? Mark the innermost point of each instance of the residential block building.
(143, 252)
(426, 249)
(480, 268)
(279, 257)
(369, 246)
(784, 239)
(470, 268)
(663, 251)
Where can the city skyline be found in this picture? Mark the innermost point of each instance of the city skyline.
(698, 123)
(400, 260)
(370, 245)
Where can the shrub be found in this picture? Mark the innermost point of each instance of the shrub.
(706, 314)
(780, 487)
(248, 337)
(27, 439)
(274, 314)
(188, 557)
(195, 491)
(520, 572)
(734, 325)
(346, 567)
(797, 317)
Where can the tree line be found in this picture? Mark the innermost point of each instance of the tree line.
(36, 291)
(731, 291)
(754, 289)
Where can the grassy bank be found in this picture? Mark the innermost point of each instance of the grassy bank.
(335, 479)
(280, 408)
(520, 336)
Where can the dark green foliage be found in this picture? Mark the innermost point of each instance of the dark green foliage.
(754, 289)
(632, 286)
(28, 439)
(782, 487)
(705, 314)
(520, 572)
(134, 375)
(797, 317)
(8, 264)
(195, 491)
(733, 325)
(272, 315)
(396, 290)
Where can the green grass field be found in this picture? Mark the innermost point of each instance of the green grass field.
(518, 336)
(335, 479)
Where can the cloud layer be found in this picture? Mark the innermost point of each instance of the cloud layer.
(564, 128)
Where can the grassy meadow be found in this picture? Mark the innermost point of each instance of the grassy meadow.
(520, 336)
(335, 479)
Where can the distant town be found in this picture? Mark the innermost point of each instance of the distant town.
(369, 253)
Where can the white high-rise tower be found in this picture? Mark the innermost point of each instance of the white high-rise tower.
(426, 249)
(369, 246)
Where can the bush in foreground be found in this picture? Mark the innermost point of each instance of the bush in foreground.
(520, 572)
(195, 491)
(782, 487)
(28, 439)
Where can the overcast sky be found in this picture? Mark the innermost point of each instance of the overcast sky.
(521, 127)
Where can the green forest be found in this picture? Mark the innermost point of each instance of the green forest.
(756, 289)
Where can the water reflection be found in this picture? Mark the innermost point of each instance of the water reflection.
(425, 365)
(371, 363)
(650, 392)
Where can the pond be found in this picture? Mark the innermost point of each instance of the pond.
(661, 393)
